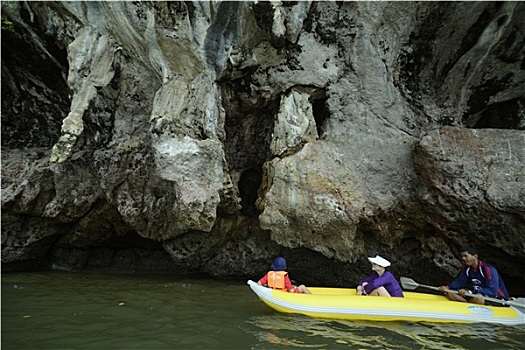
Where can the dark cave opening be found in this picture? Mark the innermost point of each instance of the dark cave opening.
(120, 253)
(321, 114)
(249, 123)
(249, 184)
(504, 115)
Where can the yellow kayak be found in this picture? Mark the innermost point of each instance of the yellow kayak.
(344, 303)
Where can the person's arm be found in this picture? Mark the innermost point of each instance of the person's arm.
(264, 280)
(491, 282)
(367, 279)
(380, 281)
(288, 284)
(460, 282)
(360, 285)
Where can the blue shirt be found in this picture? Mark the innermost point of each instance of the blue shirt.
(485, 281)
(386, 280)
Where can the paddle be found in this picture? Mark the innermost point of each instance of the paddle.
(410, 284)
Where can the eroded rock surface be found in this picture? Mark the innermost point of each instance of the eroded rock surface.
(213, 136)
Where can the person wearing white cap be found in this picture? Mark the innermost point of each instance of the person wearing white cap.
(381, 282)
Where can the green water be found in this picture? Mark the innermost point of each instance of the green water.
(58, 310)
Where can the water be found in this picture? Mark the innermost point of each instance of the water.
(58, 310)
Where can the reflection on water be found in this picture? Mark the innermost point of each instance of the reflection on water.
(87, 311)
(289, 331)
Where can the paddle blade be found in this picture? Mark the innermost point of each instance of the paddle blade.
(408, 283)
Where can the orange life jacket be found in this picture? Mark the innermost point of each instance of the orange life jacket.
(276, 279)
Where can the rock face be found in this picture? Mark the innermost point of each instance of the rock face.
(214, 136)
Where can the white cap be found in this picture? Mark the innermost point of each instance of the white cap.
(379, 261)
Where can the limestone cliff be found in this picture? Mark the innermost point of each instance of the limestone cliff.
(213, 136)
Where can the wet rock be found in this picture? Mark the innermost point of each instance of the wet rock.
(213, 136)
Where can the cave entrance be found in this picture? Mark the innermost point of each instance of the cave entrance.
(320, 110)
(321, 113)
(249, 184)
(504, 115)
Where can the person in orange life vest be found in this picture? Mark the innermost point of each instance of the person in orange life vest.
(381, 282)
(483, 278)
(278, 278)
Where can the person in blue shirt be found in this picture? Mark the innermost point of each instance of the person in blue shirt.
(476, 277)
(380, 282)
